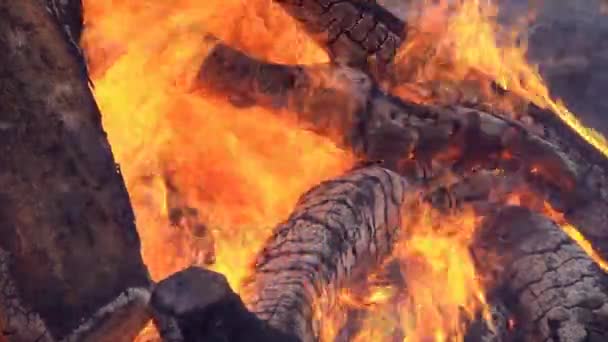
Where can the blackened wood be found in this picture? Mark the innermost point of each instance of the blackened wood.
(554, 289)
(69, 250)
(354, 32)
(198, 305)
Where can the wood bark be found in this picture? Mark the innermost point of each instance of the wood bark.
(198, 305)
(553, 287)
(70, 263)
(354, 32)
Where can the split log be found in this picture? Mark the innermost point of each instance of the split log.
(70, 263)
(555, 290)
(354, 32)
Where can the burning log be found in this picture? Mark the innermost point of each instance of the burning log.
(357, 33)
(70, 264)
(555, 290)
(339, 231)
(346, 105)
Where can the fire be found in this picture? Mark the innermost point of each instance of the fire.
(458, 49)
(238, 172)
(576, 235)
(241, 170)
(443, 291)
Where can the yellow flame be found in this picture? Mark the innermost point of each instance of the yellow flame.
(457, 42)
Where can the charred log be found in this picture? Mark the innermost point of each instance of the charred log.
(338, 232)
(354, 32)
(199, 305)
(555, 290)
(70, 260)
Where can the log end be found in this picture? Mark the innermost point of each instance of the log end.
(198, 305)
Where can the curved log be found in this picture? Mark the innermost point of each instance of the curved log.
(354, 32)
(338, 231)
(555, 290)
(69, 251)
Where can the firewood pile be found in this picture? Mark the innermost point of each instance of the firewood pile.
(70, 261)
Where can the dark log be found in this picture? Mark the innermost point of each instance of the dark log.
(70, 263)
(354, 32)
(198, 305)
(69, 16)
(554, 289)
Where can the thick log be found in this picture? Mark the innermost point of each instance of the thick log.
(339, 231)
(354, 32)
(555, 290)
(70, 260)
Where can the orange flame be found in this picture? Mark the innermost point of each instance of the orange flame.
(242, 170)
(460, 46)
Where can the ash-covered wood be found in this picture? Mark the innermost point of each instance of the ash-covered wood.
(355, 32)
(554, 289)
(338, 232)
(69, 250)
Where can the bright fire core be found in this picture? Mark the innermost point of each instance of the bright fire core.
(242, 170)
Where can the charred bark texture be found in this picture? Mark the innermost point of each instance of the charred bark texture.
(339, 231)
(69, 251)
(553, 287)
(354, 32)
(590, 216)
